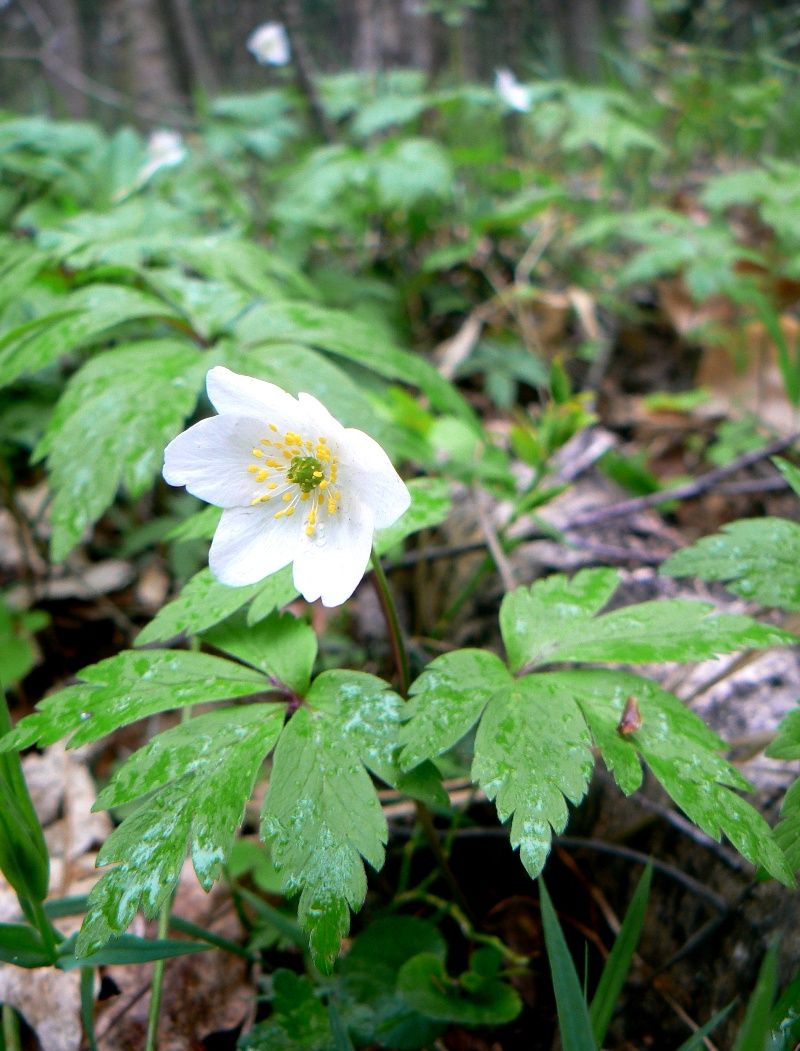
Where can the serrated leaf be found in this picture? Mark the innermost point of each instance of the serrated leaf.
(283, 647)
(681, 751)
(411, 170)
(83, 317)
(131, 686)
(201, 774)
(110, 428)
(541, 626)
(532, 619)
(349, 337)
(532, 754)
(321, 814)
(472, 1000)
(204, 601)
(446, 701)
(757, 558)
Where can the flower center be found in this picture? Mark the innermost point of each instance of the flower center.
(300, 473)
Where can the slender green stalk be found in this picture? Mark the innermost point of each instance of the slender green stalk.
(50, 936)
(393, 624)
(164, 919)
(11, 1038)
(424, 816)
(157, 985)
(87, 1006)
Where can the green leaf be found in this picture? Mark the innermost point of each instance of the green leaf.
(204, 601)
(82, 318)
(411, 170)
(110, 428)
(349, 337)
(755, 1028)
(447, 700)
(281, 646)
(532, 753)
(376, 1012)
(787, 831)
(321, 814)
(127, 948)
(575, 1025)
(531, 619)
(297, 368)
(757, 558)
(697, 1039)
(618, 964)
(22, 946)
(200, 775)
(299, 1021)
(131, 686)
(553, 622)
(199, 526)
(681, 751)
(473, 999)
(790, 471)
(430, 505)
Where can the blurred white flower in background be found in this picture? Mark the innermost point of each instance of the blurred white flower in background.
(269, 44)
(515, 95)
(165, 149)
(296, 486)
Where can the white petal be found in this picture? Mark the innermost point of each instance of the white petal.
(367, 471)
(211, 460)
(319, 419)
(330, 564)
(250, 544)
(239, 395)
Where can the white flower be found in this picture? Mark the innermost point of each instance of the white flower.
(165, 149)
(514, 94)
(269, 44)
(296, 486)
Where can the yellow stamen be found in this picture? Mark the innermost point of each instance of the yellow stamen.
(272, 427)
(257, 452)
(331, 505)
(286, 497)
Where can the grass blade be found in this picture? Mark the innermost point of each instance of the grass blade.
(618, 963)
(573, 1014)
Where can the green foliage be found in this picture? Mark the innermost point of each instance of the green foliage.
(110, 428)
(196, 778)
(17, 646)
(477, 997)
(757, 558)
(534, 739)
(131, 686)
(321, 814)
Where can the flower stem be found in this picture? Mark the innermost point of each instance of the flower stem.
(424, 816)
(11, 1035)
(157, 984)
(392, 623)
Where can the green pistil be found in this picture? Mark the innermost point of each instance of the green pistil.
(306, 472)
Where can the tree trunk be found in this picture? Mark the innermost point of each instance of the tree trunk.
(150, 73)
(63, 56)
(201, 68)
(366, 56)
